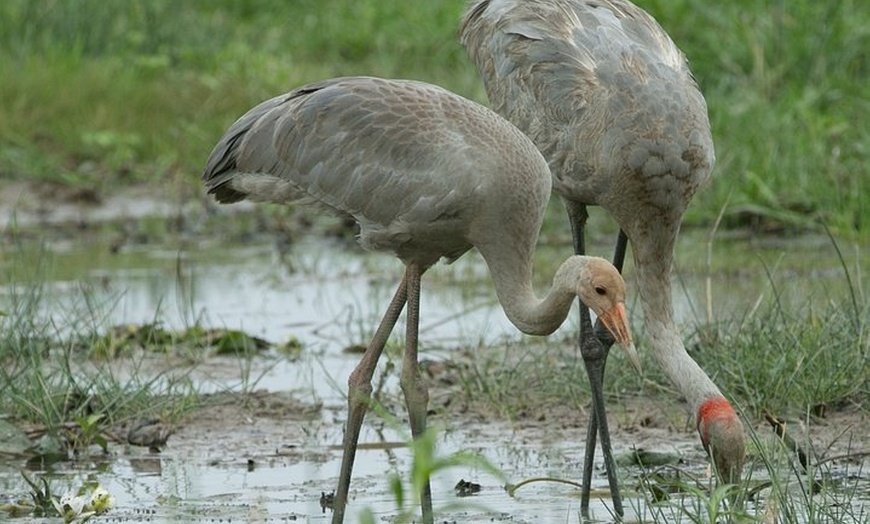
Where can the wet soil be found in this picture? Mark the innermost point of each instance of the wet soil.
(275, 430)
(235, 427)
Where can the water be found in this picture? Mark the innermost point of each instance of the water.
(172, 488)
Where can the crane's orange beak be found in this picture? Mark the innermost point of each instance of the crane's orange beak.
(616, 321)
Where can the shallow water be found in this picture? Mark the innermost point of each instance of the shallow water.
(329, 296)
(167, 488)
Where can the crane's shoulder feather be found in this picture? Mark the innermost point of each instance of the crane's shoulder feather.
(584, 33)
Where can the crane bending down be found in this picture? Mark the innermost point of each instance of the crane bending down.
(609, 100)
(427, 175)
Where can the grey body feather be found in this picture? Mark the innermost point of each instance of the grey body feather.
(426, 173)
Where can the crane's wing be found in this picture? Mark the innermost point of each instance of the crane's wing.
(565, 49)
(405, 159)
(341, 144)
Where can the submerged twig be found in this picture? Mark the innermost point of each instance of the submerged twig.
(512, 488)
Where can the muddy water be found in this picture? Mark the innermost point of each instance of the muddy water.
(329, 296)
(173, 488)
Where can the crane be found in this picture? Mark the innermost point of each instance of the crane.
(608, 98)
(427, 175)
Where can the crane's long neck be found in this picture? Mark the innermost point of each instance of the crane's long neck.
(653, 256)
(719, 427)
(512, 277)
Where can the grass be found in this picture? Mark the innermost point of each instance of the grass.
(66, 373)
(50, 382)
(105, 94)
(801, 359)
(797, 349)
(809, 357)
(784, 492)
(426, 463)
(786, 84)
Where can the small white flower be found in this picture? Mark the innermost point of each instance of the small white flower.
(101, 500)
(69, 506)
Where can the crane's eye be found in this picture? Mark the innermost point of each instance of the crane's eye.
(601, 290)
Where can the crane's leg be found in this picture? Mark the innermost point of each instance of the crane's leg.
(415, 390)
(594, 353)
(359, 390)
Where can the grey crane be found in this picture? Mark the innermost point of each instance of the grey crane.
(427, 175)
(607, 97)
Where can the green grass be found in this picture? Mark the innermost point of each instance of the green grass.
(106, 93)
(56, 372)
(789, 99)
(118, 92)
(794, 352)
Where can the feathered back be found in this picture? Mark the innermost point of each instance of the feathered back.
(424, 171)
(600, 88)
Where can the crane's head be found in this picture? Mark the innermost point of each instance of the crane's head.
(722, 436)
(602, 289)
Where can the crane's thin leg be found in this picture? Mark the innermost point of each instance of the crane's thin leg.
(359, 390)
(594, 353)
(619, 252)
(605, 338)
(595, 357)
(415, 390)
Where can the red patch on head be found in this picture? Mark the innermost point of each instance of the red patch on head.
(715, 408)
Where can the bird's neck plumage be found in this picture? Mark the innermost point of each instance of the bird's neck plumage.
(718, 426)
(513, 285)
(654, 286)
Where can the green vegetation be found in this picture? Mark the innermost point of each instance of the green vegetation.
(90, 500)
(427, 462)
(99, 93)
(105, 93)
(59, 371)
(54, 377)
(788, 88)
(781, 360)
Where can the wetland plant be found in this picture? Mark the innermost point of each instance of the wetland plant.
(58, 375)
(90, 500)
(426, 463)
